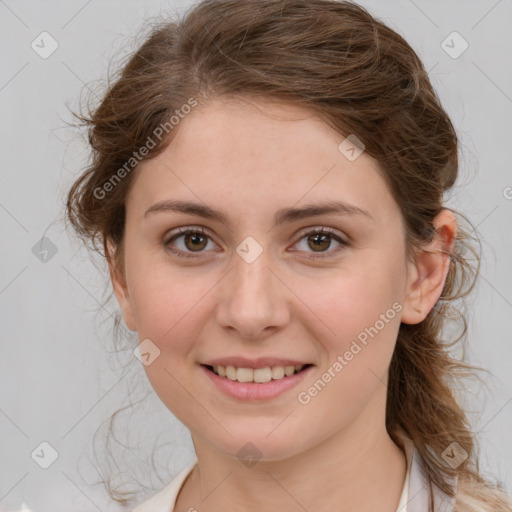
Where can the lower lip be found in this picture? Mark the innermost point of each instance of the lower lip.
(255, 390)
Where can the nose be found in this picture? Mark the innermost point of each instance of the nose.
(254, 302)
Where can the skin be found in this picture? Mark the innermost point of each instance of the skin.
(250, 159)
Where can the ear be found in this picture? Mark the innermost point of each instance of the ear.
(426, 277)
(120, 288)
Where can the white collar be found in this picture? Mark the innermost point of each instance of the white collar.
(417, 496)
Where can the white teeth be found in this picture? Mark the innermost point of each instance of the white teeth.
(289, 370)
(259, 375)
(278, 372)
(244, 375)
(262, 375)
(231, 372)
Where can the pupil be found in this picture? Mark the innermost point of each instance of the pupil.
(318, 242)
(194, 236)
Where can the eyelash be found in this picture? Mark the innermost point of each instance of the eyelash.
(201, 231)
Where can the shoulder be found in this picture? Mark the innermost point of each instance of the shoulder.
(475, 496)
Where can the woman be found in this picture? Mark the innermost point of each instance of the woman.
(267, 187)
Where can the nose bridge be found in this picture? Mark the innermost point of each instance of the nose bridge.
(252, 298)
(252, 278)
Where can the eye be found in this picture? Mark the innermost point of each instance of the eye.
(321, 239)
(194, 240)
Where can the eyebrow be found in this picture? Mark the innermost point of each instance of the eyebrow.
(280, 217)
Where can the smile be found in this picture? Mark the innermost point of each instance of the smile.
(248, 388)
(258, 375)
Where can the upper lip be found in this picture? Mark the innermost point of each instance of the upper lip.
(261, 362)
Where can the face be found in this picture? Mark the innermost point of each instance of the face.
(259, 282)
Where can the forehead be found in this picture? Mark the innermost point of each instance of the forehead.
(254, 155)
(237, 134)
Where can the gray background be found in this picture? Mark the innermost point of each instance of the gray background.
(58, 377)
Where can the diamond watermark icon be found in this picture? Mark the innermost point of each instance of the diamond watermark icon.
(44, 250)
(454, 45)
(351, 147)
(249, 249)
(454, 455)
(44, 455)
(146, 352)
(249, 455)
(44, 45)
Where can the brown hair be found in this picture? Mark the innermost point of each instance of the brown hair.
(360, 77)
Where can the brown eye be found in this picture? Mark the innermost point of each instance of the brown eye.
(195, 241)
(191, 240)
(319, 241)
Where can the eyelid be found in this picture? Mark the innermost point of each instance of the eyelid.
(321, 229)
(185, 230)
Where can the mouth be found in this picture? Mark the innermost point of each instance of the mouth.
(256, 375)
(255, 384)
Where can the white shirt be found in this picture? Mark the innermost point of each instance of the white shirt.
(414, 497)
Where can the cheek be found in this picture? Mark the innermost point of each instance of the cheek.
(357, 353)
(160, 294)
(357, 317)
(170, 312)
(356, 299)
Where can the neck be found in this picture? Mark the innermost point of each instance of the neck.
(357, 468)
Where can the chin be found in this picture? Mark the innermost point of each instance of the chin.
(260, 447)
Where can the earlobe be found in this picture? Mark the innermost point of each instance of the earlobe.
(427, 276)
(120, 288)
